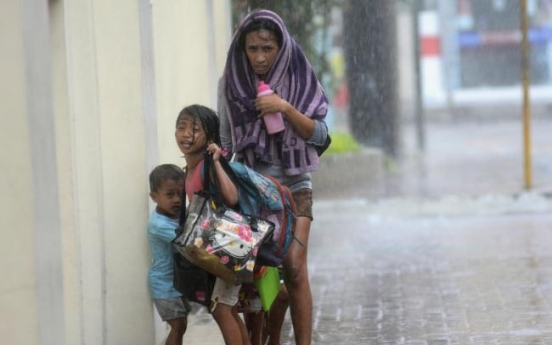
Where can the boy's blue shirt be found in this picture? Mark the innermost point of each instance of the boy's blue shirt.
(161, 231)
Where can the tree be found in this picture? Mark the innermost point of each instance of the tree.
(371, 69)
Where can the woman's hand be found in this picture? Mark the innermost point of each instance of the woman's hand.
(270, 104)
(303, 125)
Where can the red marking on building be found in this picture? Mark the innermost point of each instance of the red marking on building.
(430, 46)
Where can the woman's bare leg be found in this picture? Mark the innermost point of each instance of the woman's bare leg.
(297, 283)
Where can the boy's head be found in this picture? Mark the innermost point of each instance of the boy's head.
(166, 184)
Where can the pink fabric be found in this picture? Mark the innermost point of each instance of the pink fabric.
(195, 183)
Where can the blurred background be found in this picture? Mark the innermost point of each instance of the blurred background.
(436, 87)
(429, 99)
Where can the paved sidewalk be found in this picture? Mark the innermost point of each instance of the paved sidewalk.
(452, 279)
(202, 329)
(431, 278)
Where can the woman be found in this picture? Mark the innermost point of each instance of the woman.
(263, 50)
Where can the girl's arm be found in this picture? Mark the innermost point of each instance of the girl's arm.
(228, 189)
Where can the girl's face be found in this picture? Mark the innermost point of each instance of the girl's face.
(261, 48)
(190, 136)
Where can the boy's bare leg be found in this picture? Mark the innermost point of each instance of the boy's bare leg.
(297, 283)
(178, 328)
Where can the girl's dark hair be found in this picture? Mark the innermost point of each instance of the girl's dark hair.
(208, 119)
(162, 173)
(259, 24)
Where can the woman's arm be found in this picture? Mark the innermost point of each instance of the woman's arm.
(225, 127)
(228, 189)
(320, 134)
(303, 125)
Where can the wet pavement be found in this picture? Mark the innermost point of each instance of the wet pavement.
(457, 252)
(471, 158)
(439, 280)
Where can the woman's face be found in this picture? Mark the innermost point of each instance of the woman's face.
(261, 48)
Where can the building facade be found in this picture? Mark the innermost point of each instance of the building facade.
(90, 94)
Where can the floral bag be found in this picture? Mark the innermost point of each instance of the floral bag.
(218, 239)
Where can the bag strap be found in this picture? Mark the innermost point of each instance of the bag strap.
(284, 191)
(207, 164)
(183, 206)
(227, 168)
(208, 173)
(321, 149)
(243, 185)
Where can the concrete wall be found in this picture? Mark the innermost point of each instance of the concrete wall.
(90, 94)
(191, 39)
(19, 283)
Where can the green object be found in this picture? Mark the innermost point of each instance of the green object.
(342, 143)
(268, 286)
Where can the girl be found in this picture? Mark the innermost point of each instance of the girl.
(197, 131)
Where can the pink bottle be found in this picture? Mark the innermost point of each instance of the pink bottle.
(274, 122)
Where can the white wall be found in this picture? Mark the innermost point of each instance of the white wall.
(191, 39)
(81, 101)
(18, 286)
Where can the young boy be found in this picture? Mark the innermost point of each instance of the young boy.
(166, 183)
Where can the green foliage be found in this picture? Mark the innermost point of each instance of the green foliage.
(342, 143)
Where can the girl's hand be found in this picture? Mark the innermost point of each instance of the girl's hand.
(215, 151)
(270, 104)
(228, 189)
